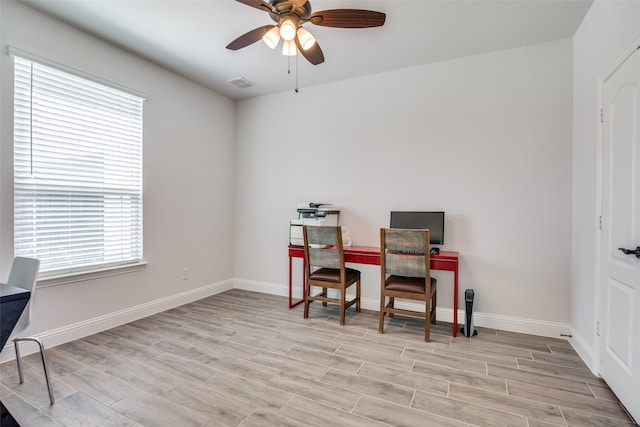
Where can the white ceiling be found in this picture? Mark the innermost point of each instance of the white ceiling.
(189, 36)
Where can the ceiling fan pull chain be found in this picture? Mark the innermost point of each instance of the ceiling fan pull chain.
(296, 74)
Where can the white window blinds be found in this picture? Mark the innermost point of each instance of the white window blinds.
(77, 171)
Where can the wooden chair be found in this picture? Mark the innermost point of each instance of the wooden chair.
(404, 265)
(324, 268)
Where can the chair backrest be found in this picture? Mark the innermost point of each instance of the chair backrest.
(24, 274)
(404, 252)
(323, 246)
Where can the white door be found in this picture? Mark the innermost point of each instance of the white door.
(620, 273)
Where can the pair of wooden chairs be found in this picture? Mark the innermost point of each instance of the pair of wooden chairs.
(404, 267)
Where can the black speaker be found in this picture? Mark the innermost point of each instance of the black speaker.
(468, 329)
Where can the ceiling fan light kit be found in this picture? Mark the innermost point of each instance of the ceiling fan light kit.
(305, 38)
(288, 28)
(290, 15)
(272, 38)
(289, 48)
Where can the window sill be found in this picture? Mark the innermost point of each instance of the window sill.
(82, 276)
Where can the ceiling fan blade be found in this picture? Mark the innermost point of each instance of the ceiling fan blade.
(258, 4)
(348, 18)
(313, 54)
(249, 38)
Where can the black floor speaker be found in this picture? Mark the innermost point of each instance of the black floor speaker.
(468, 329)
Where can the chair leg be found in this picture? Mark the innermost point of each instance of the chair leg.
(324, 293)
(306, 303)
(44, 363)
(358, 296)
(427, 320)
(381, 320)
(427, 329)
(15, 346)
(433, 308)
(343, 303)
(391, 302)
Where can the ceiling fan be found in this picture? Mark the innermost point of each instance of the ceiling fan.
(290, 15)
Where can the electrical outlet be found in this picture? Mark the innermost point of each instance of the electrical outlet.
(185, 274)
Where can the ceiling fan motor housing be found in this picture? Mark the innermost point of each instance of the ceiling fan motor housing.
(283, 8)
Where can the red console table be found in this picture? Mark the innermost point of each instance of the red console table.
(445, 260)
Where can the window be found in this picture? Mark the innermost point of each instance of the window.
(77, 171)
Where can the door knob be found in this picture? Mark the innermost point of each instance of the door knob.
(635, 251)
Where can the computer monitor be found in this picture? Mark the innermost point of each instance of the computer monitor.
(434, 221)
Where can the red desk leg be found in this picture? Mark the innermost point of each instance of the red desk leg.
(290, 282)
(304, 287)
(455, 301)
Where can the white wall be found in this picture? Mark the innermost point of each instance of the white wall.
(188, 181)
(608, 28)
(485, 138)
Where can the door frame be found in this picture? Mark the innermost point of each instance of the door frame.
(597, 312)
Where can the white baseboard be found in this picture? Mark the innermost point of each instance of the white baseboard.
(520, 324)
(492, 321)
(264, 287)
(101, 323)
(487, 320)
(584, 350)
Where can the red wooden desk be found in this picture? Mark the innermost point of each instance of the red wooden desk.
(445, 260)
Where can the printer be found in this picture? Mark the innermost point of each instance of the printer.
(311, 213)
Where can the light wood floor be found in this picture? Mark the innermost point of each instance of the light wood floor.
(244, 359)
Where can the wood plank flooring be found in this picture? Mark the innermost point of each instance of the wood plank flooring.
(241, 358)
